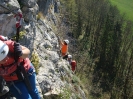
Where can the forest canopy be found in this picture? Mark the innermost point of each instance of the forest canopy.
(104, 48)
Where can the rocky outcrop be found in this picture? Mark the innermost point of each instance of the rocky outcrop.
(54, 75)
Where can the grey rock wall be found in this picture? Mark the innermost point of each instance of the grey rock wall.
(40, 38)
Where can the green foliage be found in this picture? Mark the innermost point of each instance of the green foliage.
(105, 45)
(8, 5)
(71, 12)
(40, 16)
(75, 79)
(21, 35)
(35, 61)
(46, 57)
(125, 7)
(65, 94)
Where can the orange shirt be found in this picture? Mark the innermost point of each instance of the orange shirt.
(64, 49)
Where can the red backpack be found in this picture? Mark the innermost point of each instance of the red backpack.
(73, 65)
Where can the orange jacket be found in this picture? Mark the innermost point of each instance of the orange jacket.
(7, 69)
(64, 49)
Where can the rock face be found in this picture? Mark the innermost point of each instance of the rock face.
(53, 73)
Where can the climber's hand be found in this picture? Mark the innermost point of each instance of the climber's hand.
(17, 50)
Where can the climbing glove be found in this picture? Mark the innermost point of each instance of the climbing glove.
(17, 50)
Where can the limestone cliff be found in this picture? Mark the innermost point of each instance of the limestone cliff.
(54, 78)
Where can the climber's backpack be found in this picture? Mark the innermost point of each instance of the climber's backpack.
(73, 65)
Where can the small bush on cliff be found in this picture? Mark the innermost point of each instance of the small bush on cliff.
(35, 61)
